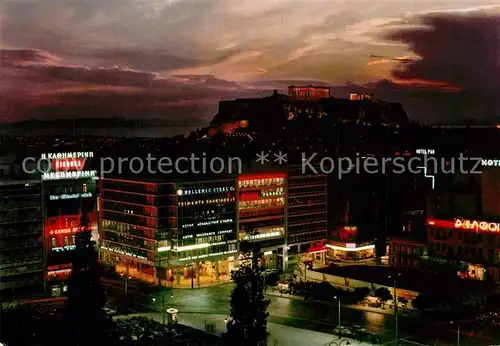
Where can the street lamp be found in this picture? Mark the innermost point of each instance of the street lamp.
(163, 305)
(395, 307)
(339, 343)
(458, 332)
(126, 282)
(338, 301)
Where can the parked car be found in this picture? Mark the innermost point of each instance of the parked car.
(284, 286)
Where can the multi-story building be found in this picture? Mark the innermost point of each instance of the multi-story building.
(307, 220)
(69, 191)
(262, 215)
(406, 252)
(462, 228)
(206, 239)
(169, 231)
(21, 233)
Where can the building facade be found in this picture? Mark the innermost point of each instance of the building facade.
(262, 218)
(205, 246)
(308, 92)
(188, 233)
(406, 253)
(21, 233)
(307, 215)
(69, 190)
(136, 219)
(472, 244)
(169, 232)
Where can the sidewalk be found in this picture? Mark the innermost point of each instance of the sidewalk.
(388, 311)
(279, 335)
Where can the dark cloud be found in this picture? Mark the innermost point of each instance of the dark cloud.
(210, 81)
(148, 60)
(18, 57)
(404, 60)
(51, 89)
(457, 77)
(457, 49)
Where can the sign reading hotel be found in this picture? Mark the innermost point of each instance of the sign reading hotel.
(490, 163)
(477, 225)
(68, 165)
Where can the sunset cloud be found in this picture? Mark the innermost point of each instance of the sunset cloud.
(177, 59)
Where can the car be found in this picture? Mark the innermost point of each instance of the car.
(284, 286)
(109, 312)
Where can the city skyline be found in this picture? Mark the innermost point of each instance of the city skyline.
(176, 59)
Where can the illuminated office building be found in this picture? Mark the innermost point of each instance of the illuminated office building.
(307, 214)
(169, 232)
(206, 243)
(69, 191)
(262, 215)
(21, 233)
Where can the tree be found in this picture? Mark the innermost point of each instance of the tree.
(403, 301)
(247, 322)
(86, 297)
(359, 294)
(383, 295)
(423, 302)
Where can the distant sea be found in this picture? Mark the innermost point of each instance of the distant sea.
(129, 132)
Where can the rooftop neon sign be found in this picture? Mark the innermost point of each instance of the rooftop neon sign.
(477, 225)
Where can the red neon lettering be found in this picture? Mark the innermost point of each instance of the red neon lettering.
(477, 225)
(68, 164)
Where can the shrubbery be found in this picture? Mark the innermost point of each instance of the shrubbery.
(324, 291)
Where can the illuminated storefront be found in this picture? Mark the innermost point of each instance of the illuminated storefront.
(340, 251)
(69, 191)
(261, 214)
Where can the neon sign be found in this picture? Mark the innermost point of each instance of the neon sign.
(65, 231)
(68, 164)
(70, 196)
(68, 175)
(477, 225)
(74, 155)
(490, 163)
(425, 151)
(64, 248)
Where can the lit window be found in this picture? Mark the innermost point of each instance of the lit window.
(66, 241)
(84, 188)
(53, 242)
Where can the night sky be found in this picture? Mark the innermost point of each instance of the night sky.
(176, 59)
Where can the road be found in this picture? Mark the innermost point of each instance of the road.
(313, 316)
(278, 334)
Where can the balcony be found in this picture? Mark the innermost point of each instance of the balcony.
(27, 269)
(136, 233)
(12, 232)
(129, 241)
(6, 246)
(32, 203)
(24, 261)
(310, 211)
